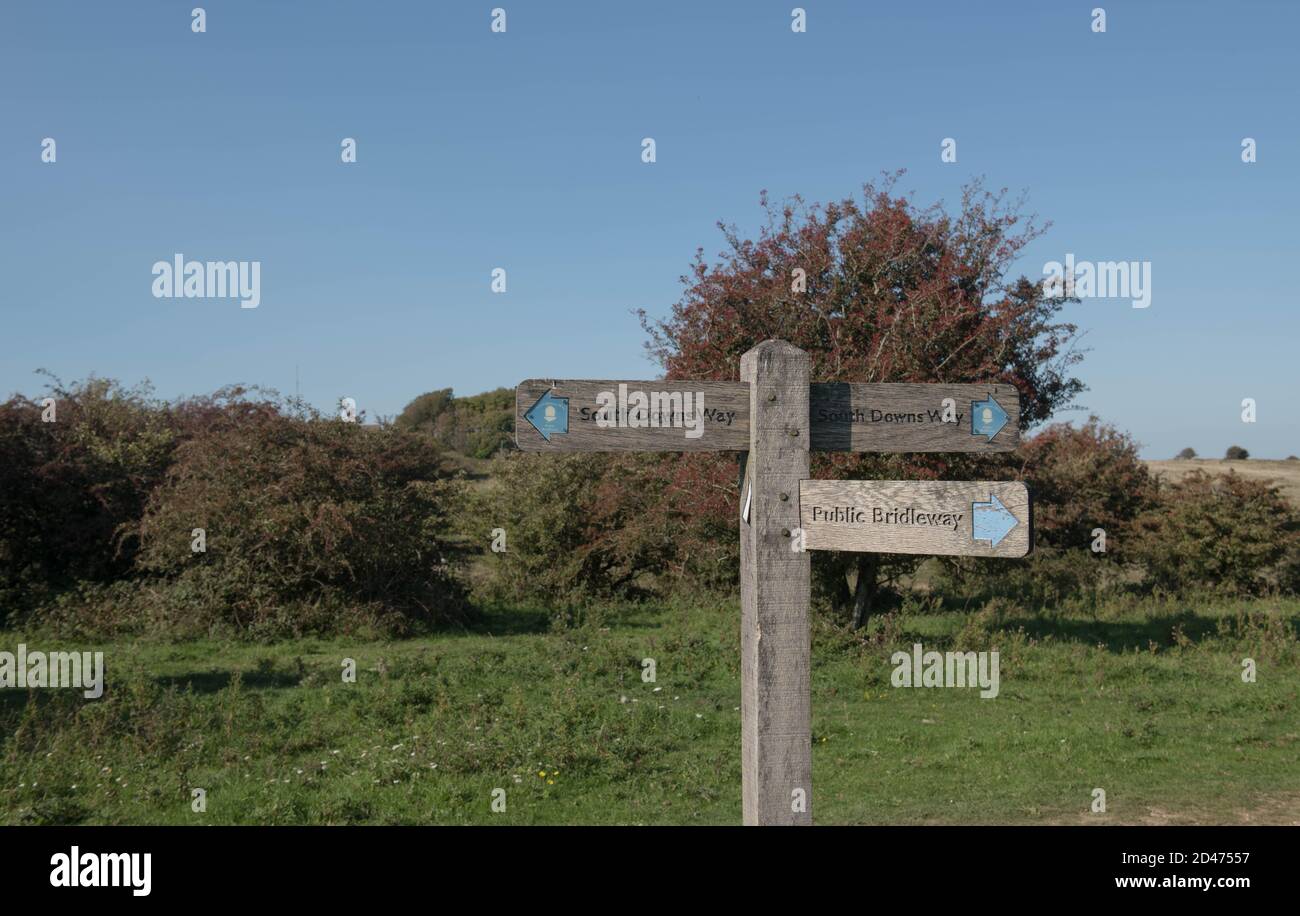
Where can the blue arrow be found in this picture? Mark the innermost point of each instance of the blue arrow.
(987, 418)
(992, 521)
(550, 415)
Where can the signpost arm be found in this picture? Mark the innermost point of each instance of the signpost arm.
(775, 691)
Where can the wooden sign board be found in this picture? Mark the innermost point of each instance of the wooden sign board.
(631, 416)
(902, 417)
(950, 518)
(686, 416)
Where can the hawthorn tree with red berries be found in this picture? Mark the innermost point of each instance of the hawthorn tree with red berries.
(875, 290)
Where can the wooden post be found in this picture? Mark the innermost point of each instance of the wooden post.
(775, 688)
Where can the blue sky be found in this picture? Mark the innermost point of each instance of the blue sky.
(522, 150)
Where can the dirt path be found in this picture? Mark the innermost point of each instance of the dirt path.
(1282, 809)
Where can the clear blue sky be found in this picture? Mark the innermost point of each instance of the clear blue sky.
(522, 150)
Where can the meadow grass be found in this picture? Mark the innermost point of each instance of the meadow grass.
(1143, 699)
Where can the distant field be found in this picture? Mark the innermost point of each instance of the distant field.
(1143, 700)
(1286, 474)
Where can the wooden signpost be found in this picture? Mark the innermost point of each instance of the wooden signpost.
(775, 415)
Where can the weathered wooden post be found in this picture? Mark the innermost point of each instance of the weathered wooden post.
(775, 650)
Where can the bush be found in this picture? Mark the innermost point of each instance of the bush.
(1050, 578)
(478, 426)
(1220, 533)
(600, 526)
(1081, 479)
(71, 490)
(1186, 454)
(1236, 453)
(299, 510)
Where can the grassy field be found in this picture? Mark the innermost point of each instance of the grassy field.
(1145, 701)
(1285, 474)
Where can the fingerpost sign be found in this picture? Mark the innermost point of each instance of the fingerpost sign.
(774, 415)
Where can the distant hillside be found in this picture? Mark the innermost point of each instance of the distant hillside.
(1286, 474)
(477, 426)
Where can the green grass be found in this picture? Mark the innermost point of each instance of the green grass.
(1144, 701)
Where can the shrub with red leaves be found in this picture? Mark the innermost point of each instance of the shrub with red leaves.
(298, 509)
(889, 293)
(72, 481)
